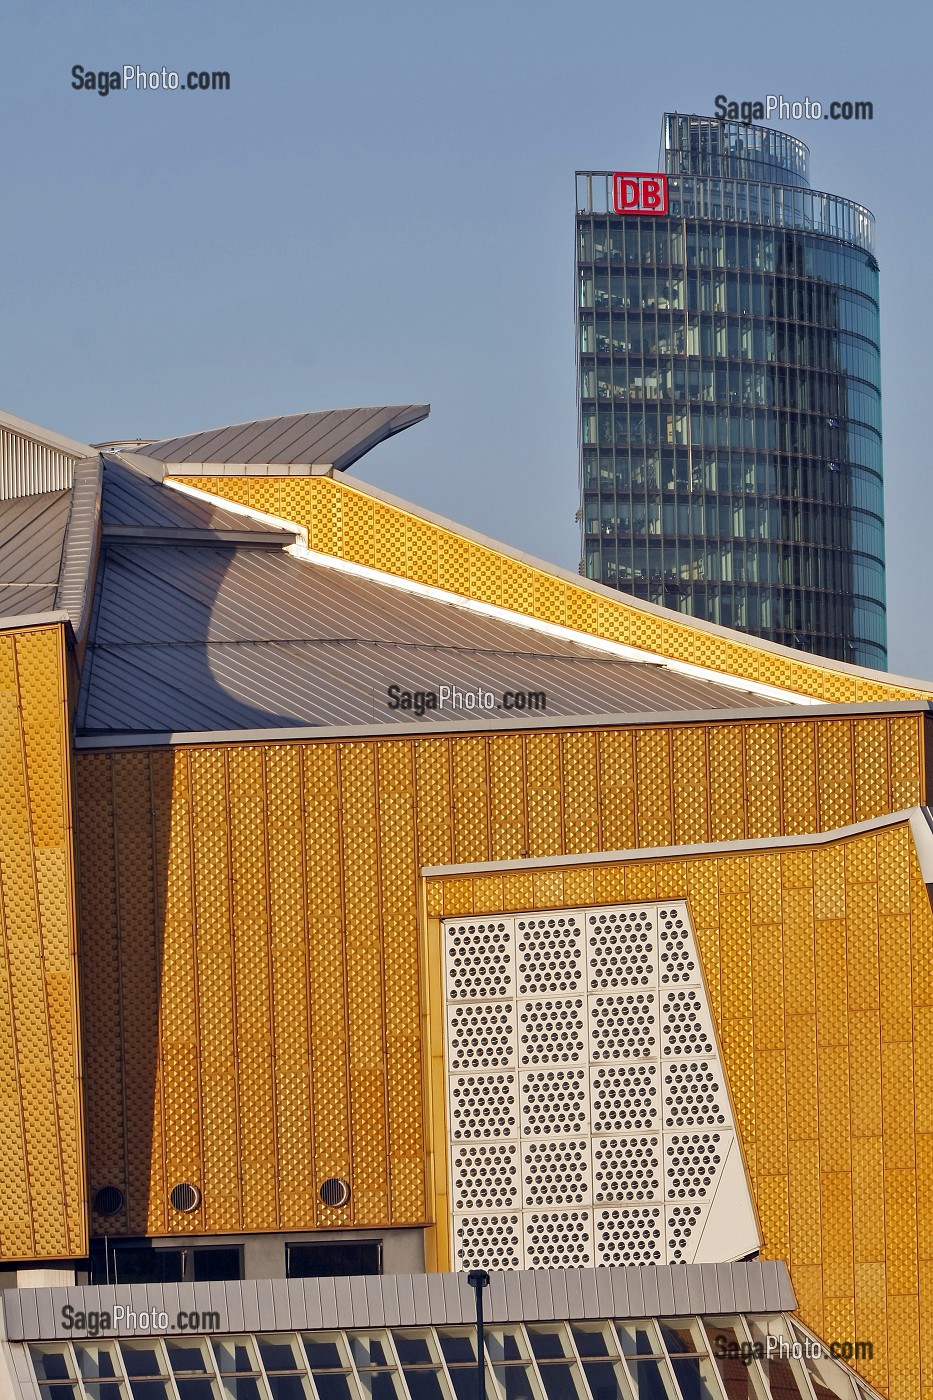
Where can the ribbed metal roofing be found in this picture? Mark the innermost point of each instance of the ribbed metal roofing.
(291, 444)
(32, 536)
(392, 1300)
(216, 638)
(131, 500)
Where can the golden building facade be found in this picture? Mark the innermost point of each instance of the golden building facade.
(264, 853)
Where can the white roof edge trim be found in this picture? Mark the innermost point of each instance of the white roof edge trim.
(45, 436)
(533, 624)
(549, 629)
(920, 819)
(235, 508)
(602, 590)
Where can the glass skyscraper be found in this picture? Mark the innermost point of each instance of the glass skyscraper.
(729, 390)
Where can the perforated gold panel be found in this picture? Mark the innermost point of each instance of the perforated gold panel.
(249, 930)
(42, 1203)
(819, 962)
(344, 520)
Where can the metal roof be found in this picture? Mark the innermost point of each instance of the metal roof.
(290, 444)
(134, 507)
(392, 1300)
(219, 638)
(32, 535)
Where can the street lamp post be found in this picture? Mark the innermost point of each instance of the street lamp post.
(478, 1279)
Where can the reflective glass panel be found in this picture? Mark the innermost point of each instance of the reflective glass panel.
(505, 1344)
(638, 1339)
(517, 1382)
(185, 1356)
(96, 1361)
(149, 1389)
(548, 1342)
(326, 1352)
(196, 1388)
(243, 1388)
(369, 1348)
(561, 1380)
(457, 1343)
(277, 1354)
(234, 1354)
(334, 1386)
(605, 1380)
(381, 1385)
(105, 1390)
(288, 1387)
(50, 1363)
(141, 1359)
(650, 1379)
(426, 1385)
(591, 1339)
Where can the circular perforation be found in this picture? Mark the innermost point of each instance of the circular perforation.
(185, 1196)
(677, 964)
(482, 1035)
(483, 1106)
(479, 960)
(690, 1164)
(629, 1235)
(623, 1027)
(109, 1200)
(556, 1173)
(554, 1101)
(681, 1222)
(684, 1031)
(620, 949)
(488, 1241)
(551, 1032)
(558, 1240)
(627, 1169)
(548, 954)
(485, 1175)
(625, 1098)
(693, 1096)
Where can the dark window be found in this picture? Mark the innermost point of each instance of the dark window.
(333, 1260)
(142, 1263)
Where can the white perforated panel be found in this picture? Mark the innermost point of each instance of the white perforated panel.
(556, 1172)
(547, 950)
(552, 1032)
(590, 1120)
(487, 1176)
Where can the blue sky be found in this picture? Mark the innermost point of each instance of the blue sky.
(380, 211)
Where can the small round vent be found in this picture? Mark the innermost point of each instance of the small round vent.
(109, 1200)
(335, 1191)
(185, 1196)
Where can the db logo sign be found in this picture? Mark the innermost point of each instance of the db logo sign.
(639, 194)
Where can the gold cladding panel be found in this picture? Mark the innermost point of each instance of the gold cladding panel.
(819, 962)
(249, 914)
(374, 532)
(43, 1207)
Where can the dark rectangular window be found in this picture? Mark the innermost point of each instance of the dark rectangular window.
(334, 1259)
(142, 1263)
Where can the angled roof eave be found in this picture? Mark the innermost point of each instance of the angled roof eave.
(290, 444)
(70, 446)
(81, 546)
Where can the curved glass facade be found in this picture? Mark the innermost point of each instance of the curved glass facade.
(730, 405)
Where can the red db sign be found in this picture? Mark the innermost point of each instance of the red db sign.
(634, 193)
